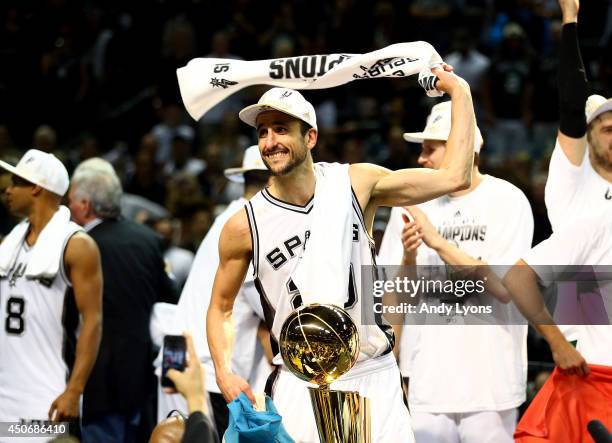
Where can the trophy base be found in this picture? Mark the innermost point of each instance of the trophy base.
(341, 416)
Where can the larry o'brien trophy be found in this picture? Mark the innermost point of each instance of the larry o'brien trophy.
(319, 343)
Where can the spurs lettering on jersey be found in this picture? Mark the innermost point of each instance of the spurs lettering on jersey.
(289, 248)
(279, 232)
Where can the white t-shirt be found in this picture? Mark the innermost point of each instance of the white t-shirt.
(467, 368)
(195, 299)
(584, 241)
(572, 191)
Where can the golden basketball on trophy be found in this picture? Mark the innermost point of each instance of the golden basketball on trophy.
(319, 343)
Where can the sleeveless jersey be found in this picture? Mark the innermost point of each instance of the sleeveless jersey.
(279, 231)
(33, 339)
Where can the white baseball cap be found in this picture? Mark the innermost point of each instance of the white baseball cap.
(438, 127)
(595, 106)
(250, 162)
(288, 101)
(42, 169)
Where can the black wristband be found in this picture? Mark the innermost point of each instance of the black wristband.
(573, 86)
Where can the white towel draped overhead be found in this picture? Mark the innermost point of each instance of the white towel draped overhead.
(204, 82)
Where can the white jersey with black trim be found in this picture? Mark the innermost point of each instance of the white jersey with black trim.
(278, 232)
(33, 339)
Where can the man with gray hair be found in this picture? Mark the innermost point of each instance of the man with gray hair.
(133, 265)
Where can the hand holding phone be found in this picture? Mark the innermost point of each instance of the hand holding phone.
(174, 356)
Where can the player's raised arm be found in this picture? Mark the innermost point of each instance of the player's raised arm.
(235, 250)
(572, 87)
(407, 187)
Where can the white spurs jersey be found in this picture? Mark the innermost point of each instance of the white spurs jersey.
(278, 233)
(34, 339)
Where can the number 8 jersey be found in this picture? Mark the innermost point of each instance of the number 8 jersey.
(279, 231)
(33, 339)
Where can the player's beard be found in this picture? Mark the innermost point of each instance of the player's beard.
(296, 158)
(601, 155)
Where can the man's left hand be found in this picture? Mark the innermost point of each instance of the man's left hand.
(65, 407)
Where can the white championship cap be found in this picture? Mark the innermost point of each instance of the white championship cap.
(438, 127)
(42, 169)
(595, 106)
(288, 101)
(250, 162)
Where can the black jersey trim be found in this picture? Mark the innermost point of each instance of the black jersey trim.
(289, 206)
(70, 323)
(62, 267)
(271, 382)
(359, 213)
(269, 313)
(254, 236)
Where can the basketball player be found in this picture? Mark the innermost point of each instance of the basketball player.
(273, 229)
(41, 260)
(580, 172)
(569, 403)
(491, 222)
(192, 306)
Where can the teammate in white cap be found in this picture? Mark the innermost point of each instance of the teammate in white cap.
(47, 265)
(195, 298)
(580, 172)
(465, 381)
(272, 232)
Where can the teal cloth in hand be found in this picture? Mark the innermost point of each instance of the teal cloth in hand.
(246, 425)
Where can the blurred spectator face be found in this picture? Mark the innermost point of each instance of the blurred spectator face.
(462, 41)
(600, 139)
(89, 148)
(144, 167)
(45, 138)
(148, 144)
(432, 153)
(165, 229)
(184, 41)
(514, 39)
(181, 151)
(5, 139)
(283, 47)
(352, 152)
(200, 223)
(395, 141)
(172, 115)
(220, 44)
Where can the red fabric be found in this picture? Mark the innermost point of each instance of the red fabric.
(564, 406)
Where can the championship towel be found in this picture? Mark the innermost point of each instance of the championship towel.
(48, 250)
(565, 405)
(204, 82)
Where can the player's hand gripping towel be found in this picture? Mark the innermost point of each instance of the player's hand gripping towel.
(246, 425)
